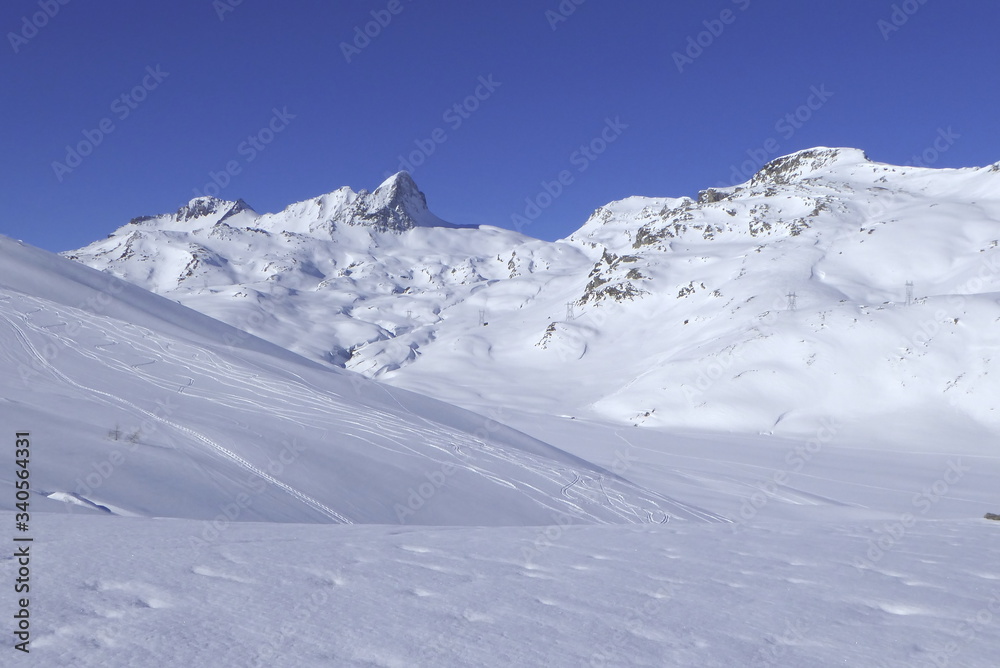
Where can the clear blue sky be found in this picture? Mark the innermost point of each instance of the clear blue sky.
(220, 81)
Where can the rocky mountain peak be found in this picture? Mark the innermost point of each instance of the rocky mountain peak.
(199, 207)
(802, 164)
(396, 205)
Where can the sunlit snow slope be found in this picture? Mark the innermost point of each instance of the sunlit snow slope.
(146, 407)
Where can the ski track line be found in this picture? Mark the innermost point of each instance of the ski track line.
(280, 393)
(565, 490)
(319, 400)
(306, 499)
(551, 473)
(692, 510)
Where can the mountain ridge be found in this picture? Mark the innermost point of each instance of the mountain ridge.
(815, 247)
(396, 205)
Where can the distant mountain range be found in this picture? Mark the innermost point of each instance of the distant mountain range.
(827, 284)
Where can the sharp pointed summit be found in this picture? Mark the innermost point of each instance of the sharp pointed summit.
(398, 205)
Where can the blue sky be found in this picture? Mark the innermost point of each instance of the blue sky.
(165, 97)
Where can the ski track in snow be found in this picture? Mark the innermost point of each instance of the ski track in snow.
(212, 445)
(178, 367)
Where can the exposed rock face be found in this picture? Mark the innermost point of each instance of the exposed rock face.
(790, 168)
(612, 279)
(396, 205)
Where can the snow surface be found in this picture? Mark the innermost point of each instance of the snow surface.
(824, 573)
(657, 460)
(134, 592)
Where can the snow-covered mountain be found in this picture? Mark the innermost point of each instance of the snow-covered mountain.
(825, 279)
(846, 309)
(326, 277)
(149, 408)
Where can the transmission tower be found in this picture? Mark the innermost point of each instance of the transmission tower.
(791, 301)
(909, 292)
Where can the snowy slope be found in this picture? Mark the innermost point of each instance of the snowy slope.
(872, 554)
(288, 596)
(760, 307)
(148, 408)
(763, 307)
(785, 299)
(820, 571)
